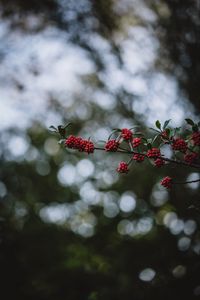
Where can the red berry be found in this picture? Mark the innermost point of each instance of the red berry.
(111, 145)
(159, 162)
(70, 142)
(122, 167)
(136, 142)
(153, 153)
(179, 145)
(80, 144)
(127, 134)
(165, 135)
(190, 157)
(138, 157)
(196, 138)
(89, 147)
(166, 182)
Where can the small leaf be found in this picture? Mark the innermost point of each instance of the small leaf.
(166, 123)
(155, 138)
(158, 125)
(167, 130)
(154, 129)
(61, 141)
(189, 121)
(116, 130)
(195, 128)
(52, 127)
(149, 146)
(67, 125)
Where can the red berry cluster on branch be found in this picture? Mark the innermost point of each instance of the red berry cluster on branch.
(122, 167)
(185, 146)
(136, 142)
(111, 145)
(79, 143)
(196, 138)
(179, 145)
(167, 182)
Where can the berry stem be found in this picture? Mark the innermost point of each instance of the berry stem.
(179, 162)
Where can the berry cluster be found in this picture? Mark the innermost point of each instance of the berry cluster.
(153, 153)
(166, 182)
(138, 157)
(159, 162)
(196, 138)
(136, 142)
(111, 145)
(190, 157)
(126, 134)
(122, 167)
(80, 144)
(179, 145)
(139, 147)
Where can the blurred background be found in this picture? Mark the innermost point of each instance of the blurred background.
(70, 227)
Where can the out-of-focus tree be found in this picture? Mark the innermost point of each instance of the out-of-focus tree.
(70, 227)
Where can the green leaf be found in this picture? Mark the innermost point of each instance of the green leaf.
(167, 130)
(190, 122)
(166, 123)
(195, 127)
(154, 129)
(149, 146)
(155, 138)
(52, 127)
(116, 130)
(158, 125)
(61, 141)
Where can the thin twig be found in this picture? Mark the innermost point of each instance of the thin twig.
(178, 162)
(185, 182)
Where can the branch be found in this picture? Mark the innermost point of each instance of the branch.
(179, 162)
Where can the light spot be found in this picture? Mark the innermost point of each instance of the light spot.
(3, 189)
(55, 213)
(18, 146)
(193, 185)
(179, 271)
(127, 203)
(147, 274)
(85, 168)
(184, 243)
(190, 227)
(51, 146)
(66, 175)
